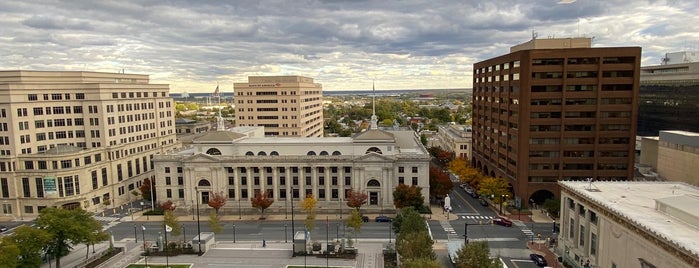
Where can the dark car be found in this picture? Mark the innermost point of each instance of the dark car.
(365, 219)
(483, 202)
(502, 221)
(3, 228)
(383, 219)
(473, 194)
(538, 259)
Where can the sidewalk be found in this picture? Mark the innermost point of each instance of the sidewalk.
(539, 247)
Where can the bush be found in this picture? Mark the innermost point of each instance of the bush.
(157, 212)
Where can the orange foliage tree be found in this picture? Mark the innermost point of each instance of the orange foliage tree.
(261, 202)
(440, 184)
(408, 196)
(217, 201)
(356, 199)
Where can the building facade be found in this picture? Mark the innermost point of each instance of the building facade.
(288, 169)
(287, 106)
(674, 155)
(455, 138)
(78, 139)
(667, 94)
(543, 115)
(629, 224)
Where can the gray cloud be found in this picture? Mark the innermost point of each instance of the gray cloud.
(343, 44)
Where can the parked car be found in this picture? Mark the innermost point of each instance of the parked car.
(538, 259)
(473, 194)
(483, 202)
(3, 228)
(383, 219)
(502, 221)
(365, 219)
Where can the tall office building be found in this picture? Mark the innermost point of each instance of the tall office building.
(668, 94)
(287, 106)
(555, 109)
(78, 139)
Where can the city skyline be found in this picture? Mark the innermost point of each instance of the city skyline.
(344, 45)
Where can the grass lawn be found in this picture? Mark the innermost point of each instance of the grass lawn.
(158, 266)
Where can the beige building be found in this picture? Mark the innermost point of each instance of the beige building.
(457, 139)
(78, 139)
(674, 155)
(629, 224)
(287, 168)
(287, 106)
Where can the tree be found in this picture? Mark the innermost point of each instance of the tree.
(171, 220)
(475, 255)
(217, 201)
(10, 254)
(466, 174)
(409, 221)
(309, 205)
(355, 222)
(30, 242)
(440, 183)
(66, 227)
(356, 199)
(167, 205)
(145, 189)
(261, 202)
(408, 196)
(420, 263)
(95, 237)
(215, 223)
(415, 245)
(553, 206)
(494, 187)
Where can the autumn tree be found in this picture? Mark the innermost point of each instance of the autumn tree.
(475, 255)
(356, 199)
(494, 187)
(215, 222)
(440, 183)
(309, 205)
(217, 201)
(145, 189)
(167, 205)
(261, 202)
(466, 174)
(355, 222)
(408, 196)
(171, 220)
(30, 242)
(66, 227)
(441, 156)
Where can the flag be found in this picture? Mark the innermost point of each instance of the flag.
(216, 92)
(168, 228)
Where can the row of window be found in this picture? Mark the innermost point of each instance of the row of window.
(55, 96)
(131, 95)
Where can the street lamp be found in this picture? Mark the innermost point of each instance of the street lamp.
(234, 233)
(184, 235)
(465, 233)
(198, 225)
(135, 235)
(143, 233)
(293, 230)
(240, 212)
(502, 199)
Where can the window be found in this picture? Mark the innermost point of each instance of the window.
(414, 169)
(401, 169)
(25, 187)
(593, 244)
(582, 235)
(415, 181)
(571, 232)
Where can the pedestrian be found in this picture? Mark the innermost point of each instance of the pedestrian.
(264, 243)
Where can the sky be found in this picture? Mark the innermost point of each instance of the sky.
(342, 44)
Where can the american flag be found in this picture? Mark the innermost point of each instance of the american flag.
(216, 92)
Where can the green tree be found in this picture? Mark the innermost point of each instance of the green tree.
(553, 206)
(355, 222)
(476, 255)
(30, 242)
(96, 236)
(494, 187)
(171, 220)
(215, 222)
(192, 106)
(415, 245)
(408, 196)
(10, 254)
(420, 263)
(409, 221)
(67, 227)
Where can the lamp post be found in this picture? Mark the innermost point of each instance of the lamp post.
(240, 212)
(502, 199)
(390, 230)
(143, 235)
(286, 234)
(135, 235)
(465, 233)
(192, 209)
(152, 195)
(293, 230)
(184, 235)
(340, 208)
(198, 225)
(233, 233)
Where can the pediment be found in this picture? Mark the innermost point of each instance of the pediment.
(201, 158)
(373, 157)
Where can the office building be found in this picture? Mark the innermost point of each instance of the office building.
(287, 106)
(668, 94)
(78, 139)
(566, 111)
(629, 224)
(288, 169)
(456, 139)
(673, 155)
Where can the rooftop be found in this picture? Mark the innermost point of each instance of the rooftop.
(663, 209)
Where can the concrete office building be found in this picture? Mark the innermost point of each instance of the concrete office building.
(564, 111)
(287, 106)
(78, 139)
(668, 94)
(629, 224)
(674, 155)
(455, 138)
(288, 169)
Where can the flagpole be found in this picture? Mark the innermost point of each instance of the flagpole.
(167, 260)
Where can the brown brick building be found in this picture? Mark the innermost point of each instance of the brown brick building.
(555, 109)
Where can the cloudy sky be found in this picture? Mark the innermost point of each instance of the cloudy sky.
(401, 44)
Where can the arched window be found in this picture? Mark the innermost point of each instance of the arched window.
(262, 153)
(373, 183)
(213, 151)
(204, 183)
(249, 153)
(323, 153)
(274, 153)
(311, 153)
(374, 150)
(337, 153)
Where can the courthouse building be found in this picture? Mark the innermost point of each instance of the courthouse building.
(78, 139)
(239, 166)
(629, 224)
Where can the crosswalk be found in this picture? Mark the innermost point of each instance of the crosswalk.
(451, 233)
(106, 219)
(477, 217)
